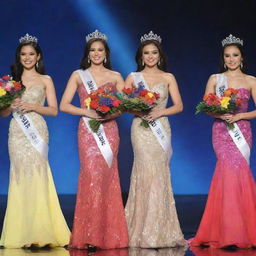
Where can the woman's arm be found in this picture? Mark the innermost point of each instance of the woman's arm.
(7, 111)
(231, 118)
(210, 88)
(65, 104)
(177, 106)
(24, 107)
(119, 82)
(129, 81)
(52, 107)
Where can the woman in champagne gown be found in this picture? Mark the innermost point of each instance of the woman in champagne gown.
(33, 215)
(150, 210)
(229, 218)
(99, 220)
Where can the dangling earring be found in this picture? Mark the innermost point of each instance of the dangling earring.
(37, 65)
(105, 60)
(89, 60)
(241, 65)
(159, 62)
(142, 63)
(225, 66)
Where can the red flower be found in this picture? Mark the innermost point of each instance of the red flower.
(104, 109)
(116, 103)
(6, 78)
(238, 102)
(229, 92)
(94, 104)
(94, 97)
(127, 90)
(143, 93)
(17, 85)
(100, 90)
(211, 99)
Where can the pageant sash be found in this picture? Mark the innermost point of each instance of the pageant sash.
(31, 133)
(99, 136)
(155, 125)
(235, 133)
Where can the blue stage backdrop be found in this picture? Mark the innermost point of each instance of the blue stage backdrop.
(191, 33)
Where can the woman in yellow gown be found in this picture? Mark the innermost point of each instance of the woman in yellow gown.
(33, 215)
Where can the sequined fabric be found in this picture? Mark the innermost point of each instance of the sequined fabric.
(27, 154)
(230, 214)
(150, 210)
(99, 215)
(177, 251)
(33, 214)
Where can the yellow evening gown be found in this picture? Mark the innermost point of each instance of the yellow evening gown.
(33, 214)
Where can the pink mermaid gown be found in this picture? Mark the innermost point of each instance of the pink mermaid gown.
(99, 214)
(230, 214)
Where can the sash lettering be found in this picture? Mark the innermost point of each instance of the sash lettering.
(100, 136)
(235, 133)
(31, 133)
(155, 125)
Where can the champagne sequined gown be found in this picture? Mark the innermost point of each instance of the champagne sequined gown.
(33, 214)
(150, 210)
(230, 213)
(99, 215)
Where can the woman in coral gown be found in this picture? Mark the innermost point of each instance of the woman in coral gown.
(150, 210)
(99, 220)
(229, 218)
(33, 216)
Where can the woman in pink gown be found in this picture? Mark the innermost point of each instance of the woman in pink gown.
(229, 218)
(99, 220)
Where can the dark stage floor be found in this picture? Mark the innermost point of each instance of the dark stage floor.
(189, 207)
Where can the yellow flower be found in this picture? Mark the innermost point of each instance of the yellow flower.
(88, 102)
(150, 95)
(225, 102)
(2, 92)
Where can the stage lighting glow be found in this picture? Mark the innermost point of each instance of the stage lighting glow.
(98, 15)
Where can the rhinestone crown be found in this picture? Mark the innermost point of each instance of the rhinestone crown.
(28, 38)
(96, 34)
(151, 36)
(232, 40)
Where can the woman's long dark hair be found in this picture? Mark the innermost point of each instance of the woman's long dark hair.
(85, 63)
(222, 68)
(138, 58)
(17, 68)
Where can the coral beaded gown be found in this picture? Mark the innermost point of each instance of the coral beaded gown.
(99, 215)
(150, 210)
(230, 214)
(33, 214)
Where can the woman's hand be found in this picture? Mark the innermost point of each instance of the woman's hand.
(15, 104)
(153, 115)
(25, 107)
(232, 118)
(92, 114)
(111, 116)
(136, 113)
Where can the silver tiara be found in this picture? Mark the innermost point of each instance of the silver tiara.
(151, 36)
(28, 38)
(96, 34)
(231, 40)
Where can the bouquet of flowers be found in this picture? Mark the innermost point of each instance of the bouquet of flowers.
(104, 102)
(228, 103)
(138, 100)
(9, 90)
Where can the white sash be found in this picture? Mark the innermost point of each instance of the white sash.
(31, 133)
(235, 133)
(155, 125)
(99, 136)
